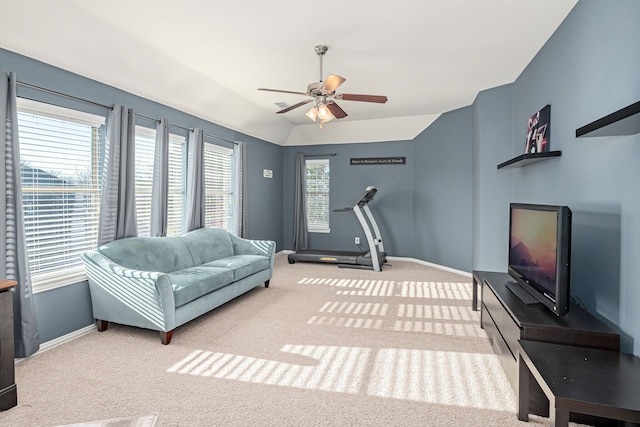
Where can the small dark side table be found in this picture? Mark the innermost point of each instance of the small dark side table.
(580, 380)
(8, 392)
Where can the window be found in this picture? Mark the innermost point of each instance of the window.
(60, 158)
(145, 158)
(219, 185)
(145, 154)
(177, 185)
(317, 183)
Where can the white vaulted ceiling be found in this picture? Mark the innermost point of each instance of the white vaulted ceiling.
(208, 58)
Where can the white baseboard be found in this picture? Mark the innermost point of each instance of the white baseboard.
(63, 339)
(417, 261)
(430, 264)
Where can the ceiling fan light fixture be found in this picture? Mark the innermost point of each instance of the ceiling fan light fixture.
(323, 93)
(312, 113)
(324, 113)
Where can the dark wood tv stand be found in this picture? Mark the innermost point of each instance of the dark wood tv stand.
(579, 380)
(506, 319)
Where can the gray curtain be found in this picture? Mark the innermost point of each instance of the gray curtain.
(240, 156)
(195, 181)
(160, 186)
(118, 203)
(14, 262)
(300, 230)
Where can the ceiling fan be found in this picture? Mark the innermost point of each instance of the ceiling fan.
(323, 93)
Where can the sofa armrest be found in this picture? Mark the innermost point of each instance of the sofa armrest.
(254, 247)
(124, 295)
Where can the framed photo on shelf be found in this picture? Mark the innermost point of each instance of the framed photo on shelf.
(538, 132)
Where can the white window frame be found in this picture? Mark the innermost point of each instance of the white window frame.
(220, 185)
(68, 276)
(315, 226)
(145, 142)
(177, 185)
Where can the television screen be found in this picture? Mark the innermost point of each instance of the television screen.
(539, 250)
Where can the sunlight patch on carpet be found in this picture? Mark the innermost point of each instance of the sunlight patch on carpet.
(347, 322)
(435, 290)
(400, 315)
(365, 308)
(391, 288)
(331, 368)
(439, 377)
(442, 378)
(438, 319)
(439, 328)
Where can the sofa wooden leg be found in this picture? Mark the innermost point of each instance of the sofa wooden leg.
(165, 337)
(266, 284)
(102, 325)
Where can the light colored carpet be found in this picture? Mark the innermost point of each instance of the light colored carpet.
(322, 346)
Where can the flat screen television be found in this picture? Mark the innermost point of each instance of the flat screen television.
(540, 254)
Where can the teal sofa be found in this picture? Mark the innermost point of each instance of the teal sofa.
(160, 283)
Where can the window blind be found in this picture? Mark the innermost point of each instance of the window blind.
(145, 154)
(317, 183)
(177, 171)
(60, 153)
(219, 185)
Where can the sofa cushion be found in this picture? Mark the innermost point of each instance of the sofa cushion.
(242, 265)
(192, 283)
(163, 254)
(208, 244)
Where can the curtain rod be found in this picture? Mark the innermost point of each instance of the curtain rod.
(206, 135)
(64, 95)
(321, 155)
(97, 104)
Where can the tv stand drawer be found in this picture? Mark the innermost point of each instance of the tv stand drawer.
(504, 323)
(505, 357)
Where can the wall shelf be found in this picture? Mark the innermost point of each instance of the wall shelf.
(529, 159)
(625, 121)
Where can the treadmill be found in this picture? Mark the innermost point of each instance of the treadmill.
(367, 260)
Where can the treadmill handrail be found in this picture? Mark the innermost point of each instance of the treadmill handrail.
(366, 196)
(376, 230)
(367, 232)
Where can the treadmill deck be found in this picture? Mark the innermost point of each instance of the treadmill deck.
(334, 257)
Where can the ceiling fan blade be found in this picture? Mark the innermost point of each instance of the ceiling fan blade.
(337, 112)
(283, 91)
(331, 83)
(291, 107)
(380, 99)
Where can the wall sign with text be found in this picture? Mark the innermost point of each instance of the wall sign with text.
(367, 161)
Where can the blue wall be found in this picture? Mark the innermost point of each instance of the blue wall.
(449, 203)
(492, 138)
(442, 194)
(64, 310)
(423, 208)
(392, 206)
(588, 69)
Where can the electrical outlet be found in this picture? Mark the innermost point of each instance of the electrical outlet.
(357, 240)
